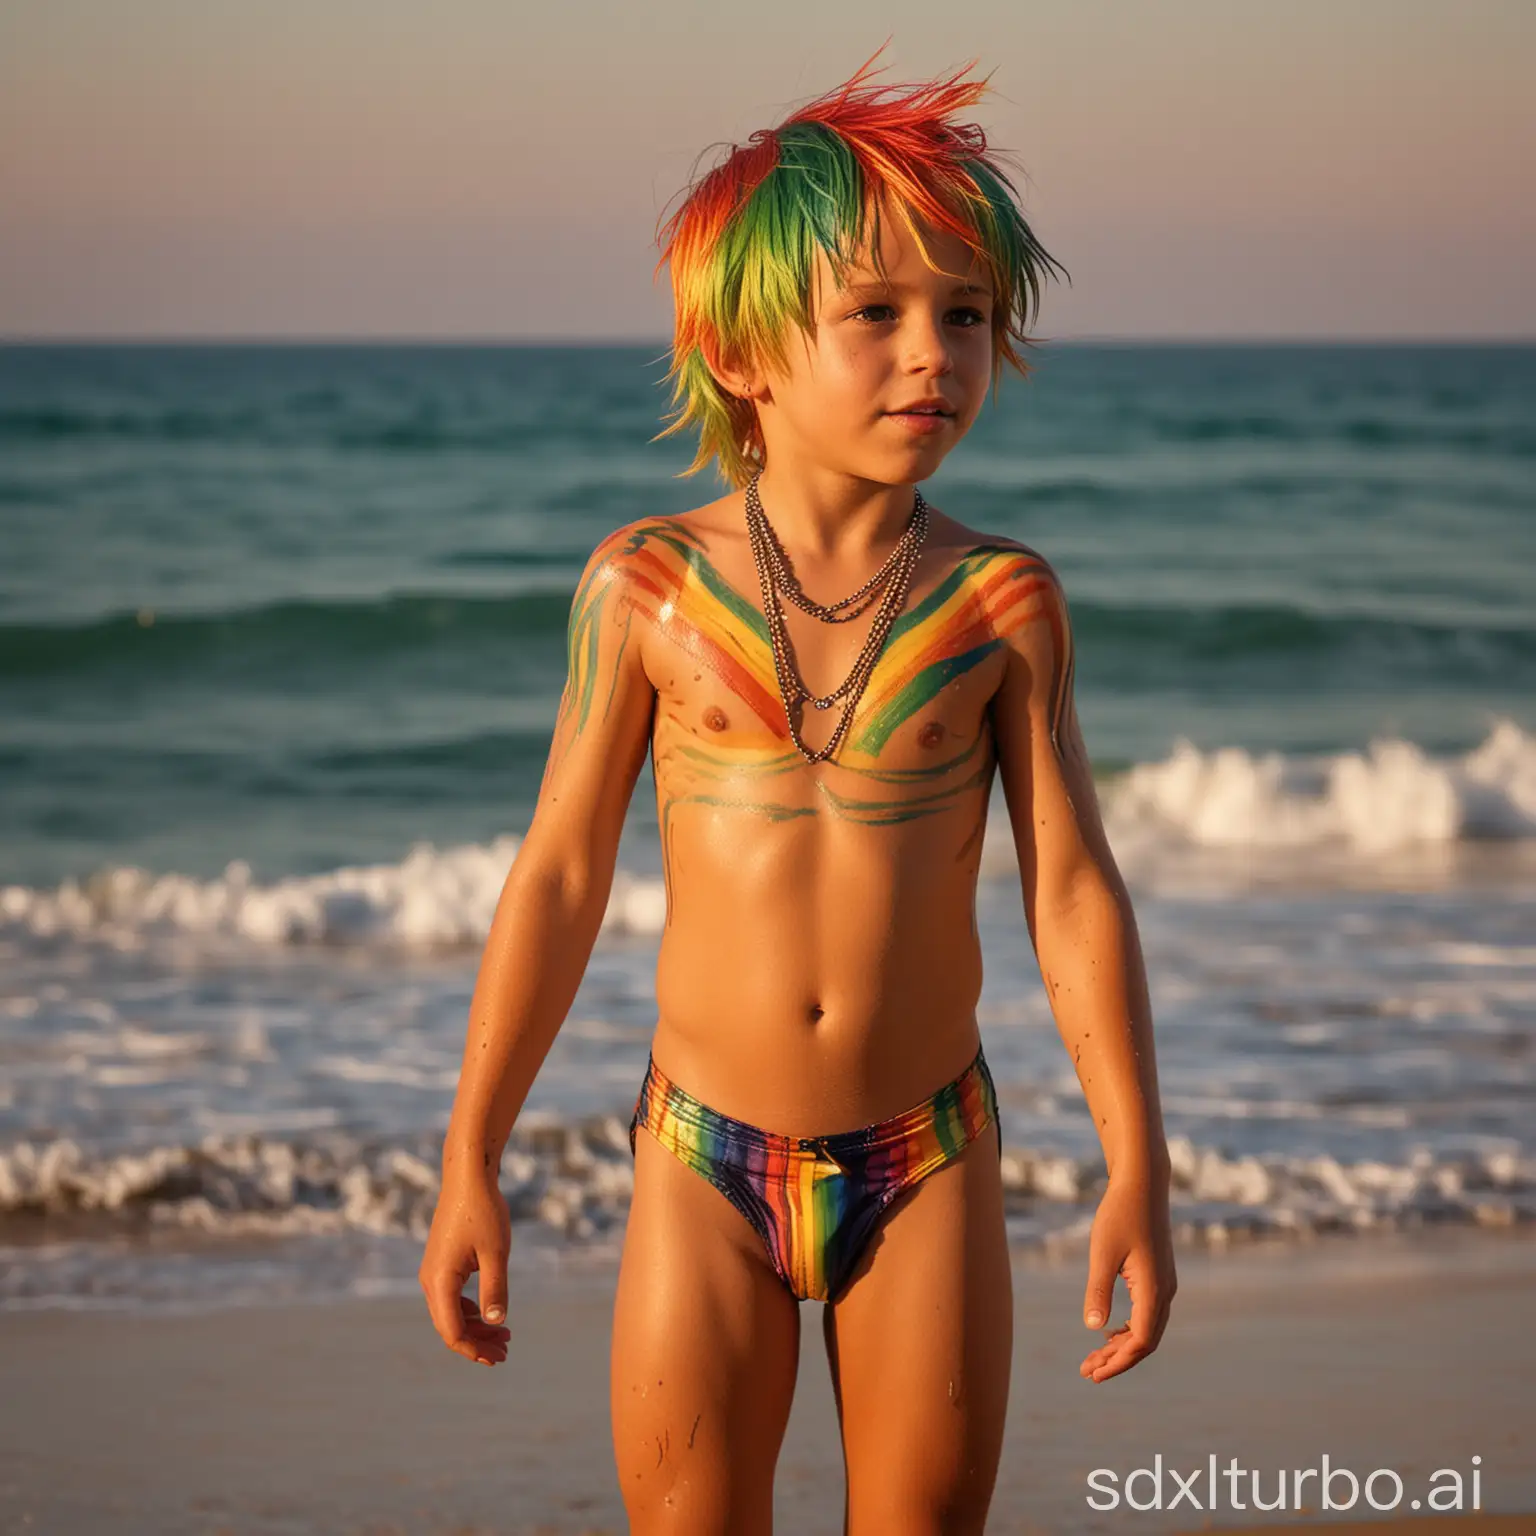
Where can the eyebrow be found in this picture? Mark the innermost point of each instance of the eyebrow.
(874, 285)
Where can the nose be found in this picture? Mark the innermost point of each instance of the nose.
(927, 347)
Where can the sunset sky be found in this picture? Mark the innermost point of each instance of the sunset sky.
(494, 169)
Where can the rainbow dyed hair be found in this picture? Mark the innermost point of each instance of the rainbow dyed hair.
(742, 245)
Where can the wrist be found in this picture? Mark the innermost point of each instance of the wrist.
(471, 1154)
(1143, 1160)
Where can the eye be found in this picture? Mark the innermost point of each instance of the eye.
(967, 316)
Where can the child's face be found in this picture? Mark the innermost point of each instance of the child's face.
(877, 347)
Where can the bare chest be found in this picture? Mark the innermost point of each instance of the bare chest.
(920, 722)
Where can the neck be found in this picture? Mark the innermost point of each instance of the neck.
(826, 515)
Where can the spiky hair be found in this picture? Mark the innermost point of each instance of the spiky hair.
(742, 244)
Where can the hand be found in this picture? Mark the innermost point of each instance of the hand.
(471, 1231)
(1131, 1237)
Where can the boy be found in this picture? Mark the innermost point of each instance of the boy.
(817, 1119)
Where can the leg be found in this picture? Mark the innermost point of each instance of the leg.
(921, 1343)
(829, 1338)
(706, 1344)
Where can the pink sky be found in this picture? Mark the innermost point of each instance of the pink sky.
(309, 168)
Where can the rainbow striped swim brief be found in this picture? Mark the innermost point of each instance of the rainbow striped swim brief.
(816, 1200)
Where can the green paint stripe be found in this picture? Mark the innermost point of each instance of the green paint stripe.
(772, 812)
(915, 775)
(965, 570)
(727, 595)
(723, 763)
(921, 690)
(613, 685)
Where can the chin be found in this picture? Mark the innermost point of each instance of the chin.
(922, 459)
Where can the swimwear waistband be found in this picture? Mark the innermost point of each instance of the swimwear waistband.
(969, 1099)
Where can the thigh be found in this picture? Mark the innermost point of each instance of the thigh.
(921, 1346)
(706, 1344)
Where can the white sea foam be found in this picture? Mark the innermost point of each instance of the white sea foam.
(433, 899)
(574, 1179)
(1392, 797)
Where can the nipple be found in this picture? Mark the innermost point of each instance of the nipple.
(931, 734)
(715, 718)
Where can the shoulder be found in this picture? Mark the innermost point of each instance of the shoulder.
(647, 538)
(1025, 606)
(1018, 587)
(643, 558)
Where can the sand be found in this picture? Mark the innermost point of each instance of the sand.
(1408, 1355)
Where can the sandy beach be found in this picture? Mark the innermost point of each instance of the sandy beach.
(1390, 1354)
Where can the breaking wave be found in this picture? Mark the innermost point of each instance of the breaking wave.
(574, 1177)
(1393, 796)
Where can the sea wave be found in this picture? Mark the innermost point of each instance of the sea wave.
(1136, 644)
(330, 422)
(433, 899)
(1381, 431)
(576, 1176)
(428, 420)
(297, 633)
(1392, 797)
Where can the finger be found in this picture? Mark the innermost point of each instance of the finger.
(1117, 1361)
(484, 1340)
(1103, 1263)
(1113, 1338)
(1122, 1351)
(477, 1326)
(1146, 1298)
(1105, 1351)
(493, 1284)
(441, 1286)
(1111, 1369)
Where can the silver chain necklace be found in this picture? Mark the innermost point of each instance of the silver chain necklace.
(775, 578)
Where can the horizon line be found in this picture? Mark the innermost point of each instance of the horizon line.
(1107, 338)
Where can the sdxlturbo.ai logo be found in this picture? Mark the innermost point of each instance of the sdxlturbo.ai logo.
(1163, 1487)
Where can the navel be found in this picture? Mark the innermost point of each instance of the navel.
(715, 718)
(931, 734)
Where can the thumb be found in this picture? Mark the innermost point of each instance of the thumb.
(493, 1286)
(1101, 1286)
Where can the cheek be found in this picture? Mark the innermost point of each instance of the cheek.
(974, 360)
(857, 366)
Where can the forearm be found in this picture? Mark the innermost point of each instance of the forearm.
(541, 938)
(1090, 958)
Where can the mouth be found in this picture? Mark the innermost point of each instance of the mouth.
(923, 418)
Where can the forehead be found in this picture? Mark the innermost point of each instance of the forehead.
(902, 260)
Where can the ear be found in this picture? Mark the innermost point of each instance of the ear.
(744, 382)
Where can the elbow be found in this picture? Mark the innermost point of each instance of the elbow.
(574, 879)
(1072, 899)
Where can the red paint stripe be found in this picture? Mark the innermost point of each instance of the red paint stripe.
(982, 616)
(949, 642)
(669, 571)
(768, 707)
(1023, 590)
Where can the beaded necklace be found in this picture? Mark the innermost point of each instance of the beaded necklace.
(776, 578)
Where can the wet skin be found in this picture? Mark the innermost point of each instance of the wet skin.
(818, 915)
(819, 967)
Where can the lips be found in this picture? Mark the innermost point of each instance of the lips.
(924, 417)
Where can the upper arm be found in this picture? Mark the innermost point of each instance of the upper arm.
(1046, 776)
(604, 722)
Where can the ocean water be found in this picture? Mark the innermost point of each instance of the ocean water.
(281, 641)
